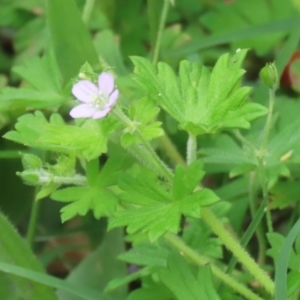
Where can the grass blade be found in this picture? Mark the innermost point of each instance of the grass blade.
(242, 34)
(282, 263)
(74, 289)
(70, 38)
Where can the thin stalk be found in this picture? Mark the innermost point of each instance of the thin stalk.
(261, 154)
(244, 141)
(267, 129)
(87, 10)
(171, 151)
(164, 170)
(77, 179)
(259, 229)
(264, 184)
(201, 261)
(248, 234)
(31, 230)
(240, 253)
(191, 152)
(162, 22)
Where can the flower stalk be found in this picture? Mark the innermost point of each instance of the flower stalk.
(202, 261)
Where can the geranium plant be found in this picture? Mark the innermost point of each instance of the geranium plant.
(170, 163)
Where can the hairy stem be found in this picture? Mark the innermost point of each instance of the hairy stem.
(240, 253)
(164, 170)
(191, 152)
(262, 153)
(201, 261)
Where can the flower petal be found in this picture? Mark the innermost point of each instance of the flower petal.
(82, 111)
(112, 99)
(101, 113)
(106, 83)
(85, 91)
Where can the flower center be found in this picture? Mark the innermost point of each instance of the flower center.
(99, 101)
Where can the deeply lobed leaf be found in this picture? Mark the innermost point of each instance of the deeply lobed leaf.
(202, 101)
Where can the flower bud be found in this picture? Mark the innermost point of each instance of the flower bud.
(269, 76)
(31, 161)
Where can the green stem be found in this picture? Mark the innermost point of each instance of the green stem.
(240, 253)
(171, 151)
(201, 261)
(87, 10)
(244, 141)
(164, 170)
(262, 153)
(75, 180)
(191, 152)
(259, 229)
(268, 125)
(33, 222)
(264, 184)
(162, 22)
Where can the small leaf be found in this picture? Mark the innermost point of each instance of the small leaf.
(179, 278)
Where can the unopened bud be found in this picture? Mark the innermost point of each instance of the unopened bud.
(269, 76)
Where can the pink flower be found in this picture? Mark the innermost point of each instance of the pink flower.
(97, 101)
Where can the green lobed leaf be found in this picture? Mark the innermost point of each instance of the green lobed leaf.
(88, 141)
(155, 210)
(101, 202)
(146, 254)
(202, 101)
(185, 285)
(142, 113)
(95, 196)
(186, 179)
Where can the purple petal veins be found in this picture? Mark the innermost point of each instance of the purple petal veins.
(97, 101)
